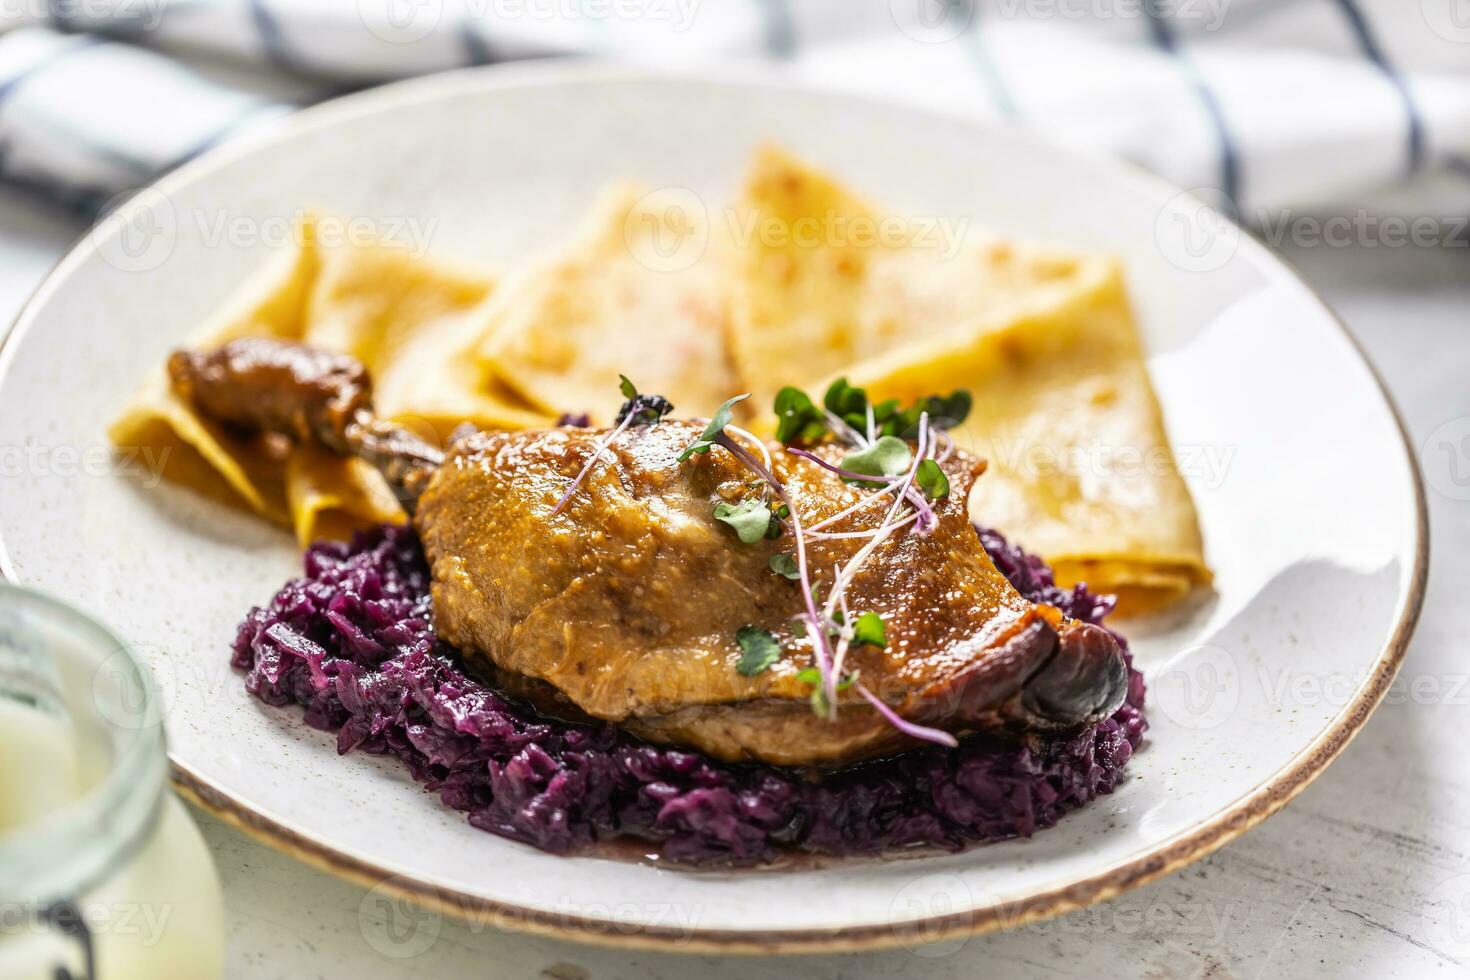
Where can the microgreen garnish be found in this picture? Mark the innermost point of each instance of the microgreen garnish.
(885, 456)
(637, 410)
(932, 480)
(870, 629)
(821, 701)
(751, 519)
(814, 676)
(893, 718)
(758, 650)
(799, 421)
(846, 412)
(902, 480)
(784, 566)
(847, 403)
(642, 409)
(714, 431)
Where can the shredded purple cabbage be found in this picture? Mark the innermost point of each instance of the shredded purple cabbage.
(352, 643)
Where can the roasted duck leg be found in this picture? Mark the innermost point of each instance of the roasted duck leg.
(625, 603)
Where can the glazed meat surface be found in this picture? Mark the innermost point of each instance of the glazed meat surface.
(625, 605)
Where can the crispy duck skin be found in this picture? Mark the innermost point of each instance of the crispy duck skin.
(624, 605)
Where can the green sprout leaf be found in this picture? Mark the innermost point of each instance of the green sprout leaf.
(714, 430)
(932, 480)
(626, 387)
(758, 650)
(785, 566)
(751, 519)
(946, 413)
(887, 456)
(814, 676)
(846, 401)
(820, 705)
(869, 628)
(799, 421)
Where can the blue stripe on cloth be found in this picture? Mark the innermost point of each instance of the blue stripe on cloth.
(273, 41)
(141, 167)
(476, 47)
(214, 138)
(1165, 38)
(83, 201)
(1371, 50)
(780, 29)
(1000, 92)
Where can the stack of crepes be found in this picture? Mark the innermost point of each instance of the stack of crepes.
(800, 283)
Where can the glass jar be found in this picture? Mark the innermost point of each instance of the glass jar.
(103, 875)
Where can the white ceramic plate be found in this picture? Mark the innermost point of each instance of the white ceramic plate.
(1308, 498)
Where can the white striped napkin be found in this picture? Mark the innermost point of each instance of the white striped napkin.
(1307, 104)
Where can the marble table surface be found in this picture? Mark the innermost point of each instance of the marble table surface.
(1366, 874)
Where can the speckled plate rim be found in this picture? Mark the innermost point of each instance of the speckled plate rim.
(1160, 860)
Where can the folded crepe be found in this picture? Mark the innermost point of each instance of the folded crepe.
(1080, 471)
(1080, 466)
(823, 279)
(639, 291)
(412, 322)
